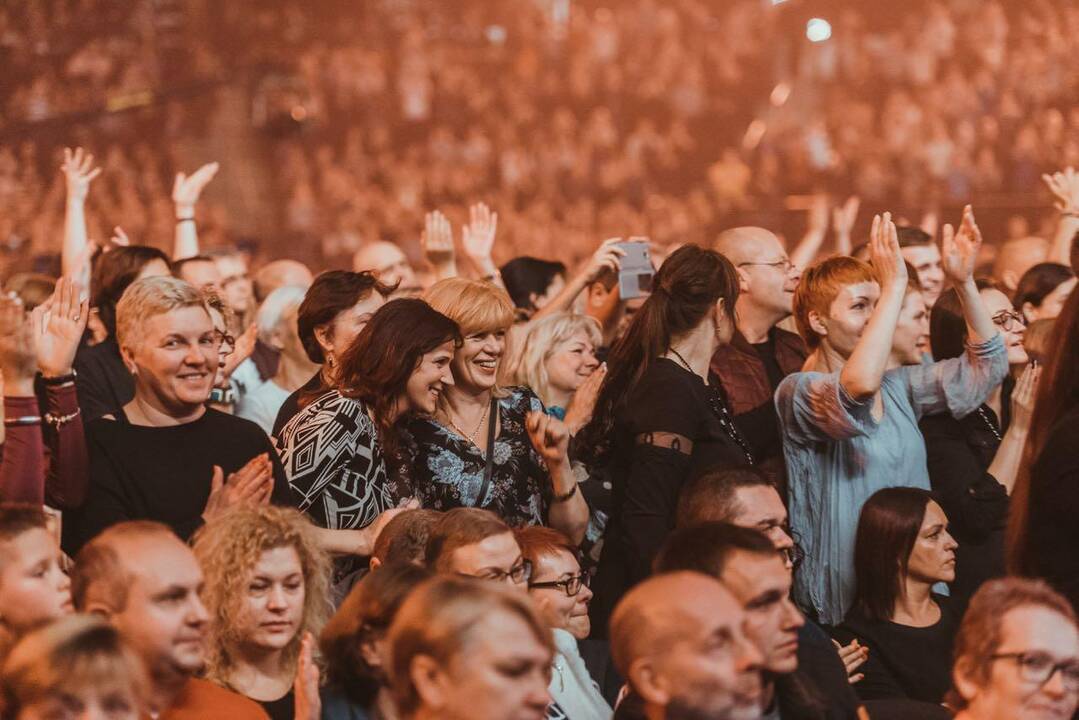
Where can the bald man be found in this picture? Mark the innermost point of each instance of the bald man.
(265, 359)
(146, 582)
(280, 273)
(678, 641)
(760, 354)
(1015, 258)
(389, 265)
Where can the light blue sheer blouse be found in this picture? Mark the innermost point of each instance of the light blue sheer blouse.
(838, 455)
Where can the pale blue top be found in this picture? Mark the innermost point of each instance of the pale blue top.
(838, 455)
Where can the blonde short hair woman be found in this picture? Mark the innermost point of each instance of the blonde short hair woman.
(557, 355)
(267, 591)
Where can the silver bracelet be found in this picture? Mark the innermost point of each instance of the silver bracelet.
(58, 421)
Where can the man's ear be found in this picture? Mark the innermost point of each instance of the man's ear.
(95, 606)
(963, 679)
(430, 681)
(743, 279)
(649, 684)
(816, 322)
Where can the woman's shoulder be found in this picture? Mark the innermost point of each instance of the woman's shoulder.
(520, 397)
(330, 407)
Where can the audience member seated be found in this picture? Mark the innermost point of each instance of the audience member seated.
(678, 640)
(661, 417)
(164, 455)
(1042, 291)
(353, 642)
(760, 354)
(559, 590)
(902, 550)
(44, 445)
(487, 446)
(278, 329)
(460, 649)
(850, 421)
(336, 450)
(104, 382)
(79, 667)
(1045, 502)
(266, 588)
(918, 248)
(146, 582)
(477, 543)
(973, 461)
(34, 589)
(335, 309)
(403, 540)
(1016, 654)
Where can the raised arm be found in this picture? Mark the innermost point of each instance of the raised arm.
(185, 194)
(1065, 188)
(809, 246)
(843, 219)
(75, 255)
(478, 241)
(959, 254)
(437, 243)
(863, 372)
(607, 257)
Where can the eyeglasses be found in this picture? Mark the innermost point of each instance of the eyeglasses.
(225, 339)
(519, 573)
(571, 585)
(1038, 668)
(1007, 319)
(784, 265)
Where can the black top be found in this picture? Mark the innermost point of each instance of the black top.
(904, 661)
(760, 426)
(958, 455)
(647, 477)
(103, 382)
(281, 709)
(823, 672)
(1052, 530)
(291, 407)
(163, 473)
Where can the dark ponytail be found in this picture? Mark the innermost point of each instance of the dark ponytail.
(686, 288)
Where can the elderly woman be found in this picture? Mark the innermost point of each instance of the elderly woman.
(164, 455)
(266, 589)
(488, 446)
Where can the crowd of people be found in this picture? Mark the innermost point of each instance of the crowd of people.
(468, 461)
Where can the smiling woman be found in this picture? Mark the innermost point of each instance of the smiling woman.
(164, 455)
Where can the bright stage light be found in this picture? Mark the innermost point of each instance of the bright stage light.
(818, 30)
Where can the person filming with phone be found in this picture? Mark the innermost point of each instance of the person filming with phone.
(661, 417)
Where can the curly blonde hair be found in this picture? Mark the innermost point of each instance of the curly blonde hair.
(229, 547)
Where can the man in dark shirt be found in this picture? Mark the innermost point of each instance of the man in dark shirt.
(760, 354)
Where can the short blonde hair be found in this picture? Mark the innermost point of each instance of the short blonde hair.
(439, 618)
(475, 306)
(539, 344)
(148, 297)
(821, 283)
(73, 654)
(229, 547)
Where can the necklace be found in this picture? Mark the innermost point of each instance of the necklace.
(471, 438)
(719, 408)
(990, 424)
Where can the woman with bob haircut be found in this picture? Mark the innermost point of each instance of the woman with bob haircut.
(485, 445)
(973, 460)
(557, 356)
(1045, 502)
(850, 419)
(661, 416)
(468, 649)
(266, 588)
(902, 549)
(336, 450)
(78, 666)
(354, 642)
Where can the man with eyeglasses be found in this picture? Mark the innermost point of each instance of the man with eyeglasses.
(559, 590)
(760, 353)
(477, 543)
(1016, 654)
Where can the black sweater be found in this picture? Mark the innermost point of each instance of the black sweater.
(904, 662)
(163, 473)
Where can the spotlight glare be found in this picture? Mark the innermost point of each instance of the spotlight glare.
(818, 30)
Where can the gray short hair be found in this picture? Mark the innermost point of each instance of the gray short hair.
(148, 297)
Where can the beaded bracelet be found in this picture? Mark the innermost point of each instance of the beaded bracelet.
(58, 421)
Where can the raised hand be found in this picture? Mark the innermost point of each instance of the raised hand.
(1065, 188)
(308, 703)
(78, 168)
(1026, 389)
(884, 253)
(959, 249)
(607, 257)
(478, 236)
(57, 326)
(119, 237)
(844, 216)
(437, 243)
(245, 345)
(549, 437)
(187, 188)
(579, 412)
(817, 217)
